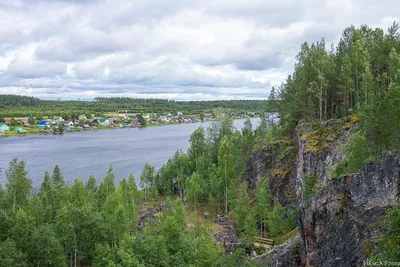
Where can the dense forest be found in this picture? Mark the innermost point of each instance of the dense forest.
(11, 106)
(82, 224)
(18, 101)
(96, 223)
(361, 76)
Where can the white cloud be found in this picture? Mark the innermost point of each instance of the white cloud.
(174, 49)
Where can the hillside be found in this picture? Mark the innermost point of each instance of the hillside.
(21, 106)
(318, 188)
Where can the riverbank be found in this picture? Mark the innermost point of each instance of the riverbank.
(34, 130)
(91, 152)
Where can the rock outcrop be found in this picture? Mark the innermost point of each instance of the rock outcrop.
(228, 237)
(276, 162)
(148, 215)
(342, 218)
(286, 255)
(341, 222)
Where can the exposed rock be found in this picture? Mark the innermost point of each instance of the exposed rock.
(148, 215)
(341, 222)
(228, 237)
(318, 149)
(337, 225)
(286, 255)
(278, 164)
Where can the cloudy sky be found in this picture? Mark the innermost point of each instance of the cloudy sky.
(176, 49)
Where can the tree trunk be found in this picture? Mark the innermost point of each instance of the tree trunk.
(226, 192)
(326, 103)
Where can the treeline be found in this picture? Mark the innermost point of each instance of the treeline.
(360, 76)
(18, 101)
(211, 172)
(89, 224)
(101, 105)
(358, 81)
(330, 82)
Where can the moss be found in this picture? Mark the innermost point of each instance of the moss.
(319, 139)
(320, 136)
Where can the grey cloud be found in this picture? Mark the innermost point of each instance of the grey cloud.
(202, 49)
(23, 69)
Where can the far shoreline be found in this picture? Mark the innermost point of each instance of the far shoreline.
(111, 128)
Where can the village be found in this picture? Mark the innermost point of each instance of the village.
(58, 125)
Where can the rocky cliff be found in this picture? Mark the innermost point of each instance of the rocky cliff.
(340, 224)
(340, 220)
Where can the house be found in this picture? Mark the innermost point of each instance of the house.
(68, 123)
(43, 124)
(26, 124)
(208, 116)
(135, 121)
(82, 117)
(86, 126)
(153, 120)
(7, 121)
(21, 131)
(94, 122)
(4, 127)
(122, 125)
(132, 115)
(122, 116)
(103, 121)
(163, 119)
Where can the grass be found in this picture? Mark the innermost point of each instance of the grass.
(30, 130)
(195, 219)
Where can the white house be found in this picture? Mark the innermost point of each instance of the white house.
(82, 117)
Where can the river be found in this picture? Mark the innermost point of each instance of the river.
(91, 152)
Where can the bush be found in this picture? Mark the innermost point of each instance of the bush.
(309, 184)
(357, 154)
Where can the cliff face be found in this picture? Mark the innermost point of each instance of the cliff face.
(340, 221)
(276, 162)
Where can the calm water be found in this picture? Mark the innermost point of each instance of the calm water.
(92, 152)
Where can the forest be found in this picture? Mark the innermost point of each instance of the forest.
(84, 224)
(22, 106)
(95, 223)
(360, 76)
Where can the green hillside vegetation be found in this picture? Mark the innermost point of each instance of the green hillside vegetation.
(20, 106)
(355, 85)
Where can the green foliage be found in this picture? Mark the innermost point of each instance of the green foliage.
(10, 255)
(238, 259)
(10, 106)
(147, 180)
(263, 204)
(18, 186)
(242, 208)
(328, 83)
(389, 244)
(275, 219)
(357, 154)
(309, 182)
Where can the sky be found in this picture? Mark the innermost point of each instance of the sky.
(175, 49)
